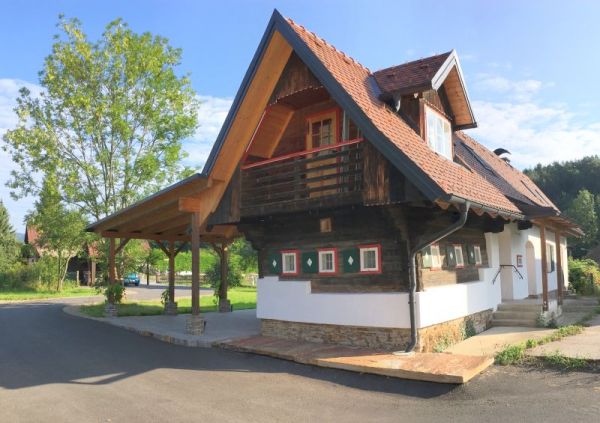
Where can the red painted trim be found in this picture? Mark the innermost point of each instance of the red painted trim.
(297, 255)
(379, 261)
(335, 261)
(459, 266)
(301, 153)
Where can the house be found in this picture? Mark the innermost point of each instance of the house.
(378, 221)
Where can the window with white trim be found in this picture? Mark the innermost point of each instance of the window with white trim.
(370, 259)
(477, 251)
(289, 263)
(327, 261)
(436, 258)
(458, 254)
(438, 133)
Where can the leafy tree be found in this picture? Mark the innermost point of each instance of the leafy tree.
(61, 230)
(108, 122)
(132, 258)
(583, 211)
(153, 258)
(9, 246)
(244, 255)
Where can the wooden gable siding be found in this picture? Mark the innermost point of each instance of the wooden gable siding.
(295, 77)
(229, 208)
(411, 108)
(351, 227)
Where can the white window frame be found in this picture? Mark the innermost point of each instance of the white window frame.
(443, 147)
(323, 253)
(368, 248)
(458, 253)
(285, 254)
(436, 258)
(477, 253)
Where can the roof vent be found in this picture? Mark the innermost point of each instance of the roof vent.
(500, 152)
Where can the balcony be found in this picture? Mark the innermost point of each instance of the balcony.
(321, 177)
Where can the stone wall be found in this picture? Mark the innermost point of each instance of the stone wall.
(446, 333)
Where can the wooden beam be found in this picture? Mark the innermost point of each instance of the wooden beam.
(181, 247)
(122, 245)
(544, 267)
(559, 270)
(168, 212)
(147, 236)
(195, 263)
(111, 262)
(163, 248)
(172, 271)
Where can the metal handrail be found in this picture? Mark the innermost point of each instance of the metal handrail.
(506, 265)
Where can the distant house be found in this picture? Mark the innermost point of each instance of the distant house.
(377, 220)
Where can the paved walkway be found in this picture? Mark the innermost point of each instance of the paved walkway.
(586, 345)
(431, 367)
(219, 326)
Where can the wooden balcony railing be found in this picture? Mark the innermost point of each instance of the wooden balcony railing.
(306, 177)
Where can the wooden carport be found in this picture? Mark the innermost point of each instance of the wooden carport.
(174, 217)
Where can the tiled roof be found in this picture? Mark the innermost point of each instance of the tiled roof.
(452, 178)
(409, 76)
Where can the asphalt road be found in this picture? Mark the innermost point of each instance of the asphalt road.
(59, 368)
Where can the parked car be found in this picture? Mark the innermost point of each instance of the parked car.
(131, 278)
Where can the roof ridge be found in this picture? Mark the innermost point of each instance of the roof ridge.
(321, 41)
(412, 62)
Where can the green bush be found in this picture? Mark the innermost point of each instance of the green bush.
(114, 293)
(40, 275)
(234, 274)
(584, 276)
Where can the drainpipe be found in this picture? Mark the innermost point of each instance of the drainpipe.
(412, 270)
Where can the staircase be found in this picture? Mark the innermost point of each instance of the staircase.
(517, 313)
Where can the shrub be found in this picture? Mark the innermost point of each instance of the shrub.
(511, 355)
(114, 293)
(234, 274)
(584, 276)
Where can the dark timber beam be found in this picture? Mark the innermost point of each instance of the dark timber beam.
(544, 267)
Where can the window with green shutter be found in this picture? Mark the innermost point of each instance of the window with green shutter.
(351, 260)
(274, 262)
(309, 262)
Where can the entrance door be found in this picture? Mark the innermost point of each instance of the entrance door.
(531, 273)
(322, 132)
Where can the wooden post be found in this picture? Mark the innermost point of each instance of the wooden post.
(195, 263)
(111, 261)
(544, 267)
(559, 270)
(224, 270)
(172, 271)
(93, 273)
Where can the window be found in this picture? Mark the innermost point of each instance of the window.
(327, 261)
(436, 259)
(322, 130)
(370, 258)
(477, 251)
(325, 224)
(549, 258)
(438, 133)
(289, 261)
(458, 253)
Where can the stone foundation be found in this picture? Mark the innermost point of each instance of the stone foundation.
(171, 309)
(195, 325)
(375, 337)
(110, 310)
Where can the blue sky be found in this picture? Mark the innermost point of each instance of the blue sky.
(530, 66)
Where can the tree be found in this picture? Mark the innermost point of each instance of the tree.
(108, 122)
(583, 211)
(153, 257)
(9, 246)
(61, 230)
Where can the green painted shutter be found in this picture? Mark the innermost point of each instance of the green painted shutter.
(471, 254)
(310, 262)
(450, 256)
(426, 255)
(351, 260)
(274, 263)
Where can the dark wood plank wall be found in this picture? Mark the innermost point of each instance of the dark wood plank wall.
(376, 176)
(351, 227)
(229, 208)
(295, 77)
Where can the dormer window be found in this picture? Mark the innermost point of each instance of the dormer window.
(438, 133)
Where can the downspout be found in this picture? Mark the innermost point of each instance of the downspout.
(412, 270)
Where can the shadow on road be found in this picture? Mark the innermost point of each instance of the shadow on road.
(39, 344)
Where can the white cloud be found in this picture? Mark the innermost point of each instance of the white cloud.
(9, 92)
(535, 133)
(211, 114)
(519, 90)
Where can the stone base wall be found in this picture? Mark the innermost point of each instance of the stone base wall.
(430, 337)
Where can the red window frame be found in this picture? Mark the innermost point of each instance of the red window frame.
(379, 261)
(296, 262)
(335, 260)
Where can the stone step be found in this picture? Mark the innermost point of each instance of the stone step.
(514, 322)
(519, 307)
(523, 315)
(577, 308)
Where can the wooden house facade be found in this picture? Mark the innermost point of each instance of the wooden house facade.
(378, 222)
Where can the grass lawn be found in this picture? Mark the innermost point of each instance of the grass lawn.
(241, 298)
(21, 294)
